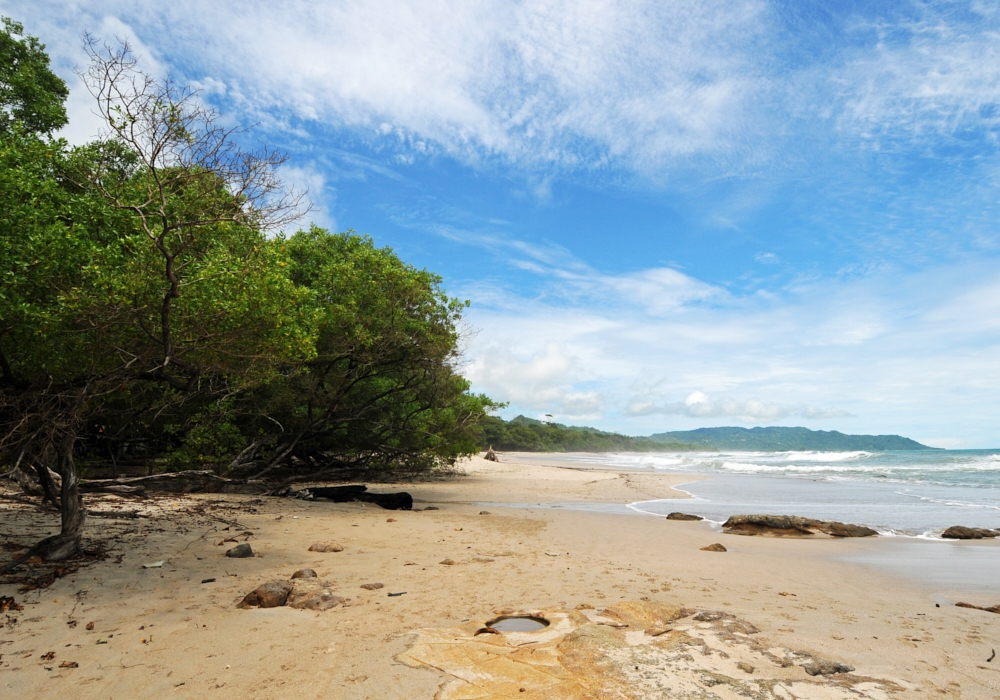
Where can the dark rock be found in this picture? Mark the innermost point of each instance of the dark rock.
(714, 548)
(240, 551)
(485, 512)
(792, 526)
(304, 573)
(432, 508)
(958, 532)
(822, 667)
(272, 594)
(359, 492)
(683, 516)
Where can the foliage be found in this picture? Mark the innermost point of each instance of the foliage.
(777, 438)
(31, 95)
(524, 434)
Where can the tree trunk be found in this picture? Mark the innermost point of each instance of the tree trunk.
(48, 484)
(67, 543)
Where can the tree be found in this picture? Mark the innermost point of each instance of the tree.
(181, 296)
(382, 389)
(31, 95)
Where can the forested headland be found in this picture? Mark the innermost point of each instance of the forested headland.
(524, 434)
(155, 315)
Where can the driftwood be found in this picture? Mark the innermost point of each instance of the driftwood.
(359, 492)
(202, 481)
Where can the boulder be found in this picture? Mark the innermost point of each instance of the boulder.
(326, 547)
(304, 573)
(240, 551)
(491, 455)
(958, 532)
(272, 594)
(714, 548)
(683, 516)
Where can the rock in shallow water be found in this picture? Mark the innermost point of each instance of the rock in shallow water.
(958, 532)
(792, 526)
(683, 516)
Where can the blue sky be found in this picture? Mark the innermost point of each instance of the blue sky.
(666, 214)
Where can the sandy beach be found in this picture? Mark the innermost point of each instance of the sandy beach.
(772, 605)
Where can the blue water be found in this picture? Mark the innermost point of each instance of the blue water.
(902, 493)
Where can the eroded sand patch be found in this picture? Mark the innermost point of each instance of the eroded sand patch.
(632, 650)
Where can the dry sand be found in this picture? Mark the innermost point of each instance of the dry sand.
(163, 633)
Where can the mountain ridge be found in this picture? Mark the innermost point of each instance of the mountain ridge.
(781, 439)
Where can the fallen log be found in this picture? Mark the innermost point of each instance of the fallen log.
(359, 492)
(200, 481)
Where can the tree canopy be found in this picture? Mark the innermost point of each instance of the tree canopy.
(153, 314)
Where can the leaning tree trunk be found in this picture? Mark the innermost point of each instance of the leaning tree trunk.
(67, 542)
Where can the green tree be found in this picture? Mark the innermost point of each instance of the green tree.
(31, 95)
(382, 390)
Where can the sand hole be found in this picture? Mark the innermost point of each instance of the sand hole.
(518, 623)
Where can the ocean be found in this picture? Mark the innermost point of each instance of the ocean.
(902, 493)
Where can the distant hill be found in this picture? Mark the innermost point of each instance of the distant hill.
(781, 439)
(524, 434)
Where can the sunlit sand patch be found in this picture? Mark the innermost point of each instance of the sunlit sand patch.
(629, 651)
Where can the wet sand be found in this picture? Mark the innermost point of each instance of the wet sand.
(167, 634)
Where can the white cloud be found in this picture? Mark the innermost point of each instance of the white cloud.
(700, 405)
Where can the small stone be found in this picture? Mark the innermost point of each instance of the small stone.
(90, 625)
(447, 562)
(432, 508)
(483, 560)
(485, 512)
(745, 667)
(822, 667)
(584, 606)
(390, 520)
(683, 516)
(240, 551)
(272, 594)
(304, 573)
(714, 548)
(326, 547)
(371, 586)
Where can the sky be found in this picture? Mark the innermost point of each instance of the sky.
(667, 215)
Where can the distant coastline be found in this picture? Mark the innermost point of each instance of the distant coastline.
(523, 434)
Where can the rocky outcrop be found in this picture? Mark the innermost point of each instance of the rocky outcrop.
(822, 667)
(958, 532)
(792, 526)
(683, 516)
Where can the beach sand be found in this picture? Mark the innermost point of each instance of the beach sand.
(161, 632)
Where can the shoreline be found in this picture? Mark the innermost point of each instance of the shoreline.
(797, 593)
